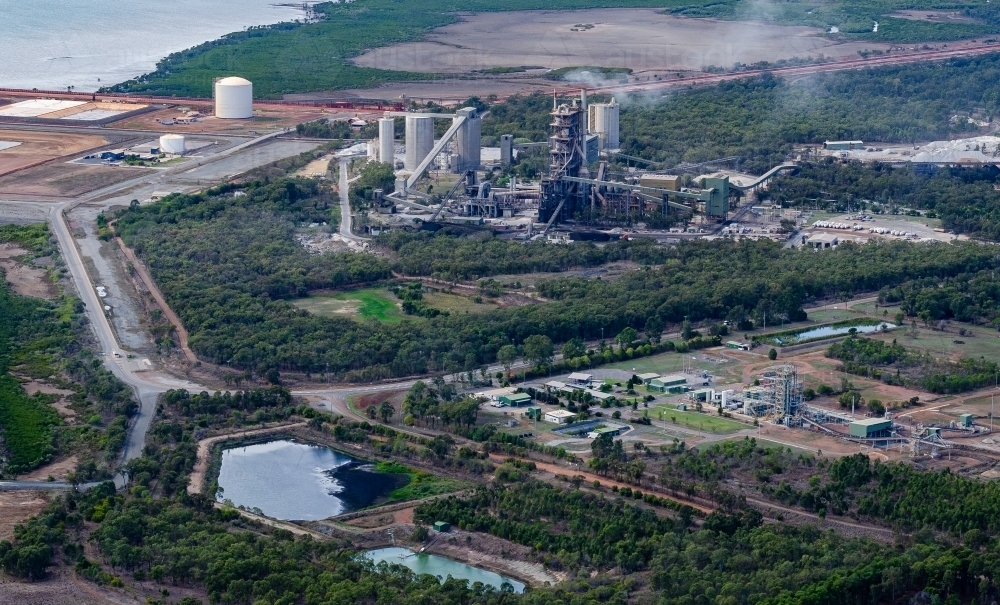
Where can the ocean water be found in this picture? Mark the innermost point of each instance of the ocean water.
(54, 44)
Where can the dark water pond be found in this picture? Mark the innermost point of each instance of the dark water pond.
(296, 481)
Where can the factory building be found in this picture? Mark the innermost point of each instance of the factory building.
(233, 98)
(419, 139)
(602, 120)
(870, 428)
(843, 145)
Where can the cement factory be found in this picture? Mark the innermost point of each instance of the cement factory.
(570, 193)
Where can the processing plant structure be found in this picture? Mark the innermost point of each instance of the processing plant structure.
(580, 187)
(778, 397)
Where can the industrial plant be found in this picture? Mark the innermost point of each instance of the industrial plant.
(584, 188)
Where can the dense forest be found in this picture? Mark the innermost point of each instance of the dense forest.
(731, 559)
(45, 340)
(208, 254)
(447, 255)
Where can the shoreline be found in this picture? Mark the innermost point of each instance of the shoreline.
(86, 48)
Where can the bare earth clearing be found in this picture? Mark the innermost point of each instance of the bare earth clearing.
(640, 39)
(65, 180)
(25, 280)
(38, 147)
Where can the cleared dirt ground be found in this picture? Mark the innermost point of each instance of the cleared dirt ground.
(16, 507)
(266, 118)
(65, 180)
(24, 279)
(640, 39)
(38, 147)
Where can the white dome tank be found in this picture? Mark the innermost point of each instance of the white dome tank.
(172, 143)
(233, 99)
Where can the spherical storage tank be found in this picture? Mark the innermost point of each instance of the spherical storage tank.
(233, 99)
(172, 143)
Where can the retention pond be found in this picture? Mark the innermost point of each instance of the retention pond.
(442, 567)
(295, 481)
(785, 339)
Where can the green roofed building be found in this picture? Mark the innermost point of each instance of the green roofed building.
(668, 384)
(515, 399)
(870, 428)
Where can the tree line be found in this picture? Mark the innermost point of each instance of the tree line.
(229, 264)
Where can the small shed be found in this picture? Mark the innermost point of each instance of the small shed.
(442, 526)
(559, 416)
(614, 431)
(580, 378)
(649, 376)
(534, 412)
(739, 346)
(965, 419)
(515, 400)
(705, 395)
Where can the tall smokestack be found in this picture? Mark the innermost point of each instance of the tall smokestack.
(583, 105)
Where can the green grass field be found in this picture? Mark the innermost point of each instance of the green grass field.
(454, 303)
(977, 342)
(710, 423)
(421, 485)
(370, 303)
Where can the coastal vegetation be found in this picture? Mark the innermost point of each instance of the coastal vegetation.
(305, 57)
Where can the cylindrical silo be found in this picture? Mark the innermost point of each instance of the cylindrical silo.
(233, 99)
(172, 143)
(604, 123)
(612, 125)
(386, 136)
(419, 140)
(469, 144)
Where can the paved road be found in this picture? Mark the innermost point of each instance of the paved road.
(147, 385)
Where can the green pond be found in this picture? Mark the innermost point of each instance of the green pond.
(442, 567)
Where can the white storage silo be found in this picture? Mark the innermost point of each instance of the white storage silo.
(172, 143)
(386, 136)
(602, 120)
(419, 139)
(469, 142)
(233, 98)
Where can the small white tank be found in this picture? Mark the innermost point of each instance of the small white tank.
(233, 99)
(172, 143)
